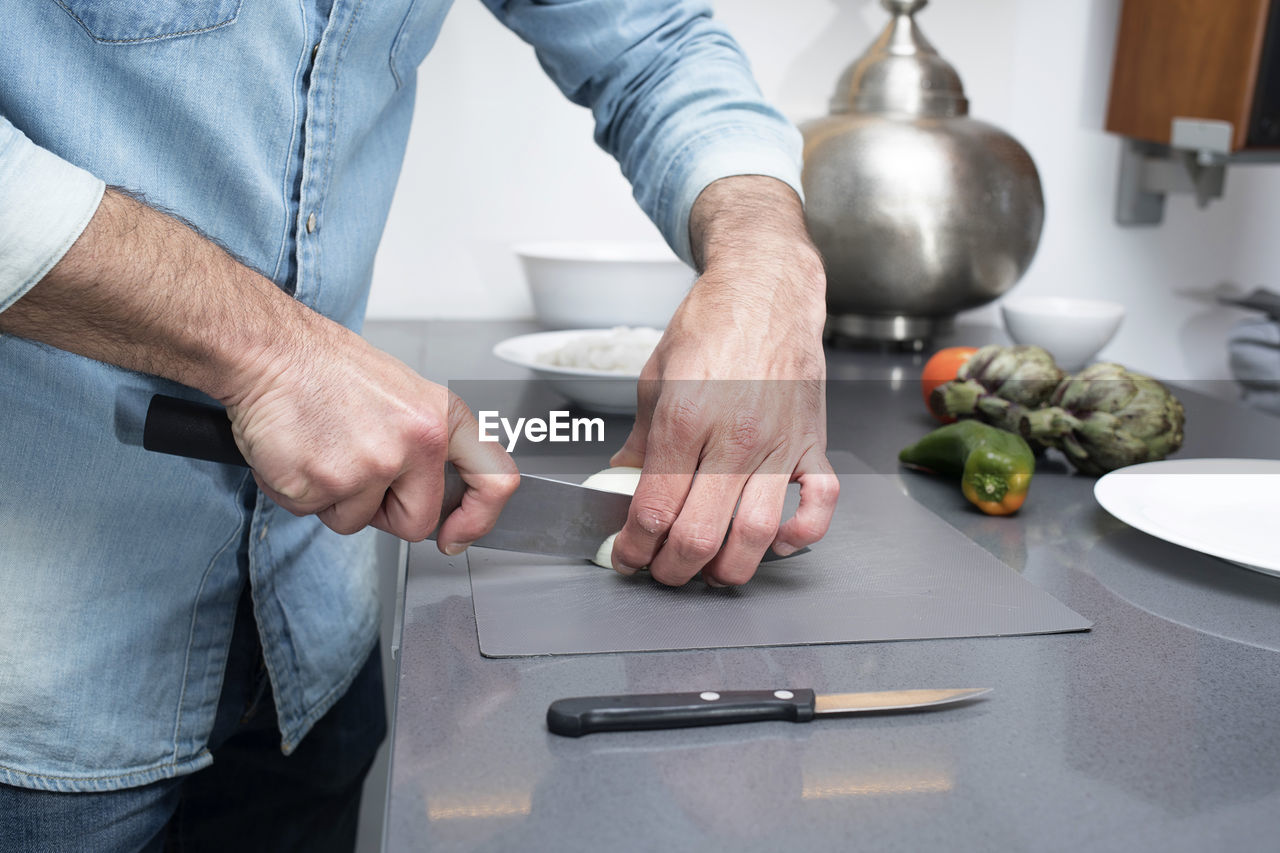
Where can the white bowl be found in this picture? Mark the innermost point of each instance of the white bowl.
(1072, 330)
(605, 391)
(600, 283)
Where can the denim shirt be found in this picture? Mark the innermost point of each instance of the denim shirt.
(278, 129)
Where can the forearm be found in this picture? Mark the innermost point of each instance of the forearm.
(750, 242)
(143, 291)
(745, 215)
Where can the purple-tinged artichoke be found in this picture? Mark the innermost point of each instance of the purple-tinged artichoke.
(1106, 417)
(998, 385)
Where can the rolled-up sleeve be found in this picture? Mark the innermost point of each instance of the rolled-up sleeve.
(671, 92)
(45, 203)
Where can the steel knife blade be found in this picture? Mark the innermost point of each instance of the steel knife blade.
(544, 516)
(553, 517)
(586, 714)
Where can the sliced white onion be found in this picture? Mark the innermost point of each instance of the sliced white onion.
(622, 480)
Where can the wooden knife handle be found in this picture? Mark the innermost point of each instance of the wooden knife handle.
(587, 714)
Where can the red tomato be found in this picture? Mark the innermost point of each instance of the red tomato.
(942, 367)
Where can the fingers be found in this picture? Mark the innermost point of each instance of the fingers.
(354, 513)
(663, 488)
(819, 491)
(699, 531)
(344, 497)
(754, 528)
(744, 457)
(654, 509)
(489, 473)
(410, 509)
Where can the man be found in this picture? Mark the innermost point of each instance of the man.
(161, 615)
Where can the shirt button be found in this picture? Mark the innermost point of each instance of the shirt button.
(311, 223)
(314, 51)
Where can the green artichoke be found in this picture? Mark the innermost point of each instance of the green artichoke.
(998, 385)
(1106, 417)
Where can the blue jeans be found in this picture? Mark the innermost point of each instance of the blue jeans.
(253, 797)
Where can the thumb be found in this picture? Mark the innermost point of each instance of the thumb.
(633, 450)
(632, 453)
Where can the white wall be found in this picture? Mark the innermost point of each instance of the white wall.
(497, 156)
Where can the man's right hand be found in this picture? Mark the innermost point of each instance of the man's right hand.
(331, 425)
(357, 438)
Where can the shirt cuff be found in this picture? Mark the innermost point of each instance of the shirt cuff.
(721, 153)
(45, 204)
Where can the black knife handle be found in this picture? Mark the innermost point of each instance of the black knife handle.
(200, 431)
(587, 714)
(194, 430)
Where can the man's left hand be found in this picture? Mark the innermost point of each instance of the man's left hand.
(734, 392)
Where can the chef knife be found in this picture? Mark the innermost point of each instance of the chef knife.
(587, 714)
(543, 516)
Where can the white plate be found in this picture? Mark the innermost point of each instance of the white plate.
(1229, 508)
(605, 391)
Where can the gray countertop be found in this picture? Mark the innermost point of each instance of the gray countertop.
(1159, 729)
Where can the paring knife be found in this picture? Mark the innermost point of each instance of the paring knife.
(543, 517)
(587, 714)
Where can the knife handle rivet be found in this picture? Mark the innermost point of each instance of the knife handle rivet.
(709, 696)
(783, 694)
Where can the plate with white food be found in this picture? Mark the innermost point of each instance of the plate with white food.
(595, 368)
(1223, 507)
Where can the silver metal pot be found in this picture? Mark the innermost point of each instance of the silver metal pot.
(919, 211)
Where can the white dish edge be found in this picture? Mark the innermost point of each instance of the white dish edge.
(1104, 491)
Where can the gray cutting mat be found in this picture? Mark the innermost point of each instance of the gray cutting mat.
(889, 569)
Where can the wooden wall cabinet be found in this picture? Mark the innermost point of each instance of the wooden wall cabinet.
(1195, 86)
(1198, 59)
